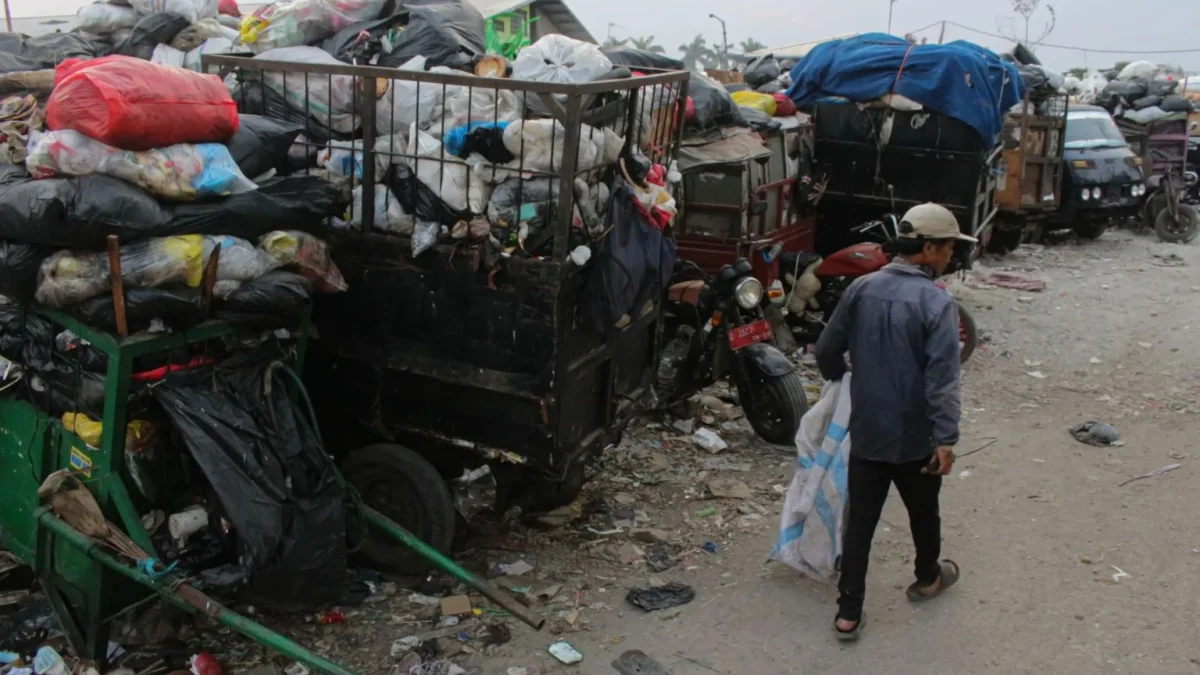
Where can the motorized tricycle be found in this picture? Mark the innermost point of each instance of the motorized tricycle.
(714, 328)
(1161, 148)
(814, 285)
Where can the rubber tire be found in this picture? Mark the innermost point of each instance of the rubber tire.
(966, 324)
(425, 491)
(1163, 221)
(789, 390)
(1090, 231)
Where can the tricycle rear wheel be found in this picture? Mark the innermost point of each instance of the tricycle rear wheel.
(775, 407)
(1180, 229)
(403, 486)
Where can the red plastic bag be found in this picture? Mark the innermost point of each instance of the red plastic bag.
(229, 8)
(784, 106)
(138, 105)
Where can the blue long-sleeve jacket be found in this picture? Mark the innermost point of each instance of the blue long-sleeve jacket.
(902, 334)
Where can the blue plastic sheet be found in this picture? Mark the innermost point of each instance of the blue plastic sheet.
(959, 79)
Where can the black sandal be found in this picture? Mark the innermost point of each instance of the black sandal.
(948, 574)
(853, 634)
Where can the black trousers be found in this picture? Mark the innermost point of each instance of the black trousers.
(868, 483)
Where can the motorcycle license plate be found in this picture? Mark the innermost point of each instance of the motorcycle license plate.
(751, 333)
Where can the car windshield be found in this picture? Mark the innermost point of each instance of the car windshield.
(1092, 129)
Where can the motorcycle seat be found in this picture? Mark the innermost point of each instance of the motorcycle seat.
(687, 292)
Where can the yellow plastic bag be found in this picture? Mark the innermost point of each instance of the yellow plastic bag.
(753, 99)
(138, 433)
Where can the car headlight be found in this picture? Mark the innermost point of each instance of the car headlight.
(1141, 189)
(1086, 194)
(748, 292)
(1097, 192)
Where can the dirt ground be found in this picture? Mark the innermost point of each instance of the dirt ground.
(1064, 570)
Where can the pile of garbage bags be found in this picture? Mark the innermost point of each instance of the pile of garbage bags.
(1142, 94)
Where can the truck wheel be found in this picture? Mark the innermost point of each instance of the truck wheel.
(405, 487)
(1091, 230)
(776, 407)
(968, 333)
(1181, 230)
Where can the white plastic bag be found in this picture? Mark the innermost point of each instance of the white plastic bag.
(453, 181)
(810, 544)
(217, 45)
(389, 214)
(425, 236)
(290, 23)
(102, 18)
(538, 145)
(406, 103)
(327, 98)
(181, 172)
(479, 104)
(192, 10)
(193, 36)
(1138, 70)
(240, 260)
(560, 59)
(166, 55)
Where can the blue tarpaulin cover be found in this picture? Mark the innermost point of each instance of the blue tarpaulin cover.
(959, 79)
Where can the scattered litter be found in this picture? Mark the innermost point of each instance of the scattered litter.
(1037, 375)
(965, 473)
(202, 663)
(519, 568)
(1153, 474)
(723, 488)
(650, 535)
(660, 597)
(442, 667)
(709, 440)
(426, 600)
(711, 547)
(1096, 433)
(1120, 574)
(565, 653)
(518, 671)
(1145, 345)
(296, 668)
(684, 426)
(1017, 283)
(706, 512)
(563, 515)
(456, 605)
(1168, 260)
(331, 616)
(49, 662)
(661, 557)
(636, 662)
(1095, 360)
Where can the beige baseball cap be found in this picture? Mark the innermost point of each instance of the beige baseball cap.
(931, 221)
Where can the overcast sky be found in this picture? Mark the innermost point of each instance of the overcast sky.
(1093, 24)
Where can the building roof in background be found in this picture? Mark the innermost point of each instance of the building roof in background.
(799, 51)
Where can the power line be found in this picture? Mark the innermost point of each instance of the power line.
(1053, 46)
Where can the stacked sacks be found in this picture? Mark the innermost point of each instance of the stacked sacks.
(160, 157)
(1140, 93)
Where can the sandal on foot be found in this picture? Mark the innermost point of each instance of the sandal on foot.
(948, 575)
(853, 634)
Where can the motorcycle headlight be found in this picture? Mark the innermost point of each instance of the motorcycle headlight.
(1086, 194)
(748, 292)
(1096, 192)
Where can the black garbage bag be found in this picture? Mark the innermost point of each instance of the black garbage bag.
(759, 120)
(714, 106)
(1176, 104)
(446, 33)
(302, 203)
(22, 52)
(640, 58)
(275, 298)
(1161, 87)
(633, 265)
(1129, 90)
(255, 98)
(262, 144)
(1146, 102)
(179, 309)
(1025, 56)
(762, 70)
(149, 32)
(25, 337)
(735, 87)
(359, 42)
(19, 265)
(418, 198)
(272, 477)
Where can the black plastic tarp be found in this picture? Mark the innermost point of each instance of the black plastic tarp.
(272, 477)
(276, 298)
(81, 212)
(22, 52)
(634, 263)
(640, 58)
(179, 309)
(446, 33)
(359, 42)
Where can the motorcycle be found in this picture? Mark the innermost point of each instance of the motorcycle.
(814, 285)
(715, 328)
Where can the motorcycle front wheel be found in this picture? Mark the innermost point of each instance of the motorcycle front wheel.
(775, 407)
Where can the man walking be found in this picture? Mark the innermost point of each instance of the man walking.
(901, 331)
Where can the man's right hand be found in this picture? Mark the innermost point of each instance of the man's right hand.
(945, 460)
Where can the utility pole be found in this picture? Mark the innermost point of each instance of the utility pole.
(724, 42)
(891, 6)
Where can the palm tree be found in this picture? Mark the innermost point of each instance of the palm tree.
(647, 44)
(614, 42)
(697, 53)
(751, 45)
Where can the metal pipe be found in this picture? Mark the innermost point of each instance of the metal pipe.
(241, 624)
(452, 568)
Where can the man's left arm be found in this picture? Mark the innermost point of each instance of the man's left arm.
(942, 370)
